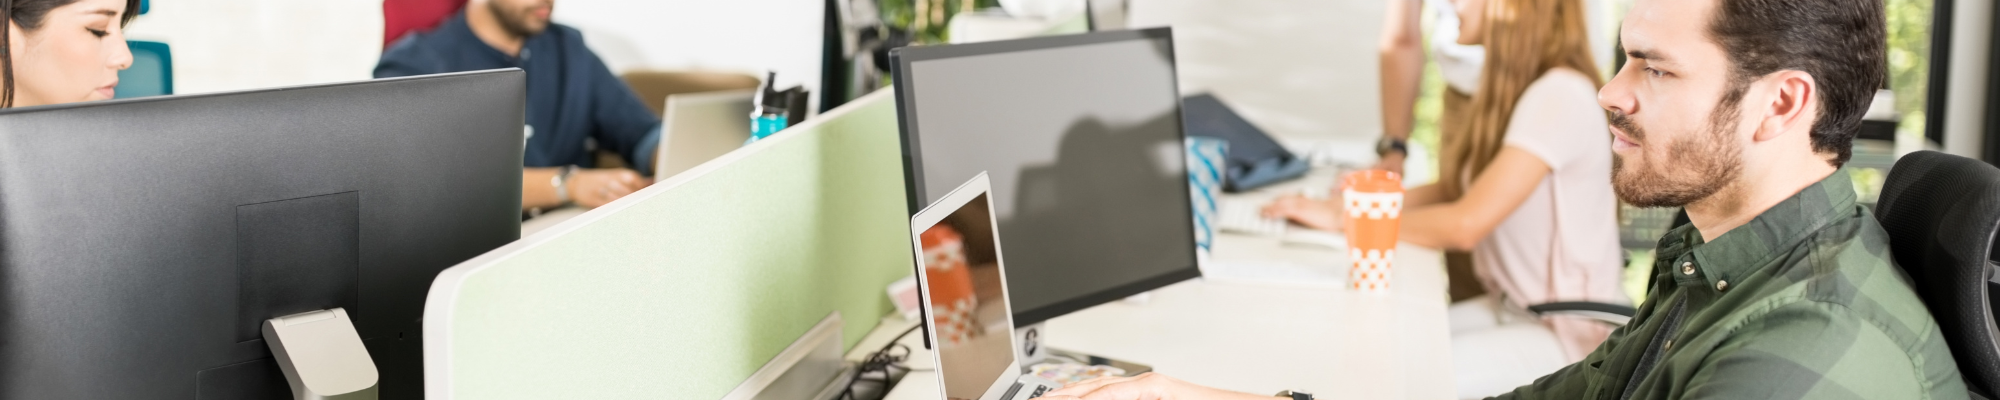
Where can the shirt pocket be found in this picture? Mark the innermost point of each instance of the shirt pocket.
(1595, 378)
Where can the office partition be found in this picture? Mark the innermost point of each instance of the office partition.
(684, 289)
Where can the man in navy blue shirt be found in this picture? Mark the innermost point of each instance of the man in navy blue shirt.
(575, 105)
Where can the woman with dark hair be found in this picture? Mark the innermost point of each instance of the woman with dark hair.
(62, 51)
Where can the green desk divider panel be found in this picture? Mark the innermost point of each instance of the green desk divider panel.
(684, 289)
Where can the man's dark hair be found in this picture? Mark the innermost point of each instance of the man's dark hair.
(1841, 43)
(29, 14)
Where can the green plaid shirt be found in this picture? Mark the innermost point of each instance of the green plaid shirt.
(1803, 302)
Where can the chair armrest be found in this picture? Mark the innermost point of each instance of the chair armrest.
(1609, 313)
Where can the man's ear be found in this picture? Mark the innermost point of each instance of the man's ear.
(1791, 105)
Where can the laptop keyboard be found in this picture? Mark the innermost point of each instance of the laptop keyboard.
(1039, 390)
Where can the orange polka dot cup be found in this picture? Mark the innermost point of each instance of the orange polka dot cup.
(1374, 204)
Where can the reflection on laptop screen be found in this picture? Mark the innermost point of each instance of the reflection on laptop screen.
(975, 339)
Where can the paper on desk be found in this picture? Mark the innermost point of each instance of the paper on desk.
(1315, 237)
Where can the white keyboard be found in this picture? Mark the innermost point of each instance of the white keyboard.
(1247, 217)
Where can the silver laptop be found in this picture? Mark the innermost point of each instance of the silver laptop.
(964, 294)
(699, 127)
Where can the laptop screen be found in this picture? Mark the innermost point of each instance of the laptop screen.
(975, 338)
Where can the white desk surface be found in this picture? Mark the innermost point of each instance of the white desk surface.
(1335, 343)
(1259, 339)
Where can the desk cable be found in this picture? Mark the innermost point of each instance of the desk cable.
(880, 361)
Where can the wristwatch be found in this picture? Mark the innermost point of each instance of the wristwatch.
(1296, 395)
(1389, 144)
(561, 184)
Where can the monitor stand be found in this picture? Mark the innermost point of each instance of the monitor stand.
(322, 356)
(1035, 352)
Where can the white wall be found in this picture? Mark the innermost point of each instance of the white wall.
(1300, 69)
(221, 45)
(749, 36)
(1965, 102)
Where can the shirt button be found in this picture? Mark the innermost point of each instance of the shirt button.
(1669, 346)
(1721, 285)
(1687, 268)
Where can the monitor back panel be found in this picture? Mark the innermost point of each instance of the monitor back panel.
(142, 242)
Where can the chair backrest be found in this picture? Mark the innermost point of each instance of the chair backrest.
(152, 71)
(1941, 212)
(401, 17)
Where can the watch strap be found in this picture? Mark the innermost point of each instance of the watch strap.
(1391, 145)
(561, 183)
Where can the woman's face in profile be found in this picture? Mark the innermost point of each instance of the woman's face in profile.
(1471, 21)
(75, 54)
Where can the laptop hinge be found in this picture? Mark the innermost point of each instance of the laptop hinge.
(1011, 390)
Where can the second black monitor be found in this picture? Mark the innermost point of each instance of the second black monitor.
(1082, 138)
(144, 242)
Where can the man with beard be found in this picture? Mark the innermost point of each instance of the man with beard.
(1742, 111)
(575, 104)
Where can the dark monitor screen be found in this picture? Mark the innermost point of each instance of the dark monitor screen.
(143, 242)
(1082, 138)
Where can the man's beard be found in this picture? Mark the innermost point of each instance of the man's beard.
(515, 21)
(1697, 166)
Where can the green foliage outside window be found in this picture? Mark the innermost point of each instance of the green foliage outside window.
(1424, 132)
(1909, 61)
(928, 18)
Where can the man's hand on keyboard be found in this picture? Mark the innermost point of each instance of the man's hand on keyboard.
(1326, 215)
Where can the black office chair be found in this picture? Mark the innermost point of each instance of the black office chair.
(1941, 212)
(1630, 236)
(1614, 314)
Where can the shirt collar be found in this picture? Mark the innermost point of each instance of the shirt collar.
(457, 27)
(1741, 251)
(461, 31)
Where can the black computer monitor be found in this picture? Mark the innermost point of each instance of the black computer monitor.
(1082, 138)
(144, 241)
